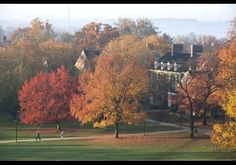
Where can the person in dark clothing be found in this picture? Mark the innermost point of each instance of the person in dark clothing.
(38, 136)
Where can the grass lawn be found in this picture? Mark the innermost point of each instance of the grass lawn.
(71, 129)
(171, 146)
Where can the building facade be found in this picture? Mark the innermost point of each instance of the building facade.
(168, 70)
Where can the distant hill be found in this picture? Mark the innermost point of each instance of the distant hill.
(170, 26)
(176, 27)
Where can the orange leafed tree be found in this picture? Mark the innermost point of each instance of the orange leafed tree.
(111, 95)
(45, 98)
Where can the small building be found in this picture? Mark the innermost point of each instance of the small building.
(87, 59)
(168, 70)
(3, 40)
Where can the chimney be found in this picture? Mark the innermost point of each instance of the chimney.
(177, 48)
(196, 49)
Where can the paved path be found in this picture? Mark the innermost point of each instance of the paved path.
(89, 137)
(184, 129)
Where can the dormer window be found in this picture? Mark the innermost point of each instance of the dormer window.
(151, 99)
(162, 65)
(175, 66)
(189, 68)
(168, 66)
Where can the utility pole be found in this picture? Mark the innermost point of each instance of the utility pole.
(144, 131)
(16, 125)
(68, 14)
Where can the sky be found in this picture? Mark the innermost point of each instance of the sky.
(201, 12)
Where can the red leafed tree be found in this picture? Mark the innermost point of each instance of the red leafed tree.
(45, 98)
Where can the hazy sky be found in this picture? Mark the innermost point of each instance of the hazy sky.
(202, 12)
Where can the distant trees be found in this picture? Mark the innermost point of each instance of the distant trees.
(208, 41)
(130, 47)
(95, 35)
(45, 98)
(158, 44)
(232, 30)
(110, 95)
(140, 28)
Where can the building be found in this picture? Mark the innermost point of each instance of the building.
(4, 41)
(87, 59)
(168, 70)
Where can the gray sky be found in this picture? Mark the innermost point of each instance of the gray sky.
(202, 12)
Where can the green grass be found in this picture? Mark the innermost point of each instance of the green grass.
(175, 146)
(71, 129)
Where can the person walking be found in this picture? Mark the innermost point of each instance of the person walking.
(62, 134)
(38, 136)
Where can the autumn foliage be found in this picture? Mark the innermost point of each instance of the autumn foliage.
(110, 95)
(225, 134)
(45, 98)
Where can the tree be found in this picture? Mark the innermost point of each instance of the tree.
(206, 81)
(189, 98)
(157, 44)
(45, 98)
(140, 28)
(130, 47)
(110, 95)
(145, 28)
(232, 30)
(224, 134)
(22, 59)
(210, 42)
(187, 39)
(95, 35)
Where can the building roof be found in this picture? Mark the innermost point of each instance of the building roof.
(178, 62)
(177, 57)
(85, 58)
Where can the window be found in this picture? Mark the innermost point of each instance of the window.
(155, 64)
(162, 65)
(175, 66)
(176, 87)
(158, 76)
(168, 66)
(151, 75)
(151, 99)
(189, 68)
(176, 77)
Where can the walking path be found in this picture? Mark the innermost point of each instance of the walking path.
(183, 129)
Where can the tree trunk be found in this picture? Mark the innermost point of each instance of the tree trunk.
(191, 128)
(116, 131)
(204, 119)
(191, 124)
(58, 125)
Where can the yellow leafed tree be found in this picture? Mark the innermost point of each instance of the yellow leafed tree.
(225, 134)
